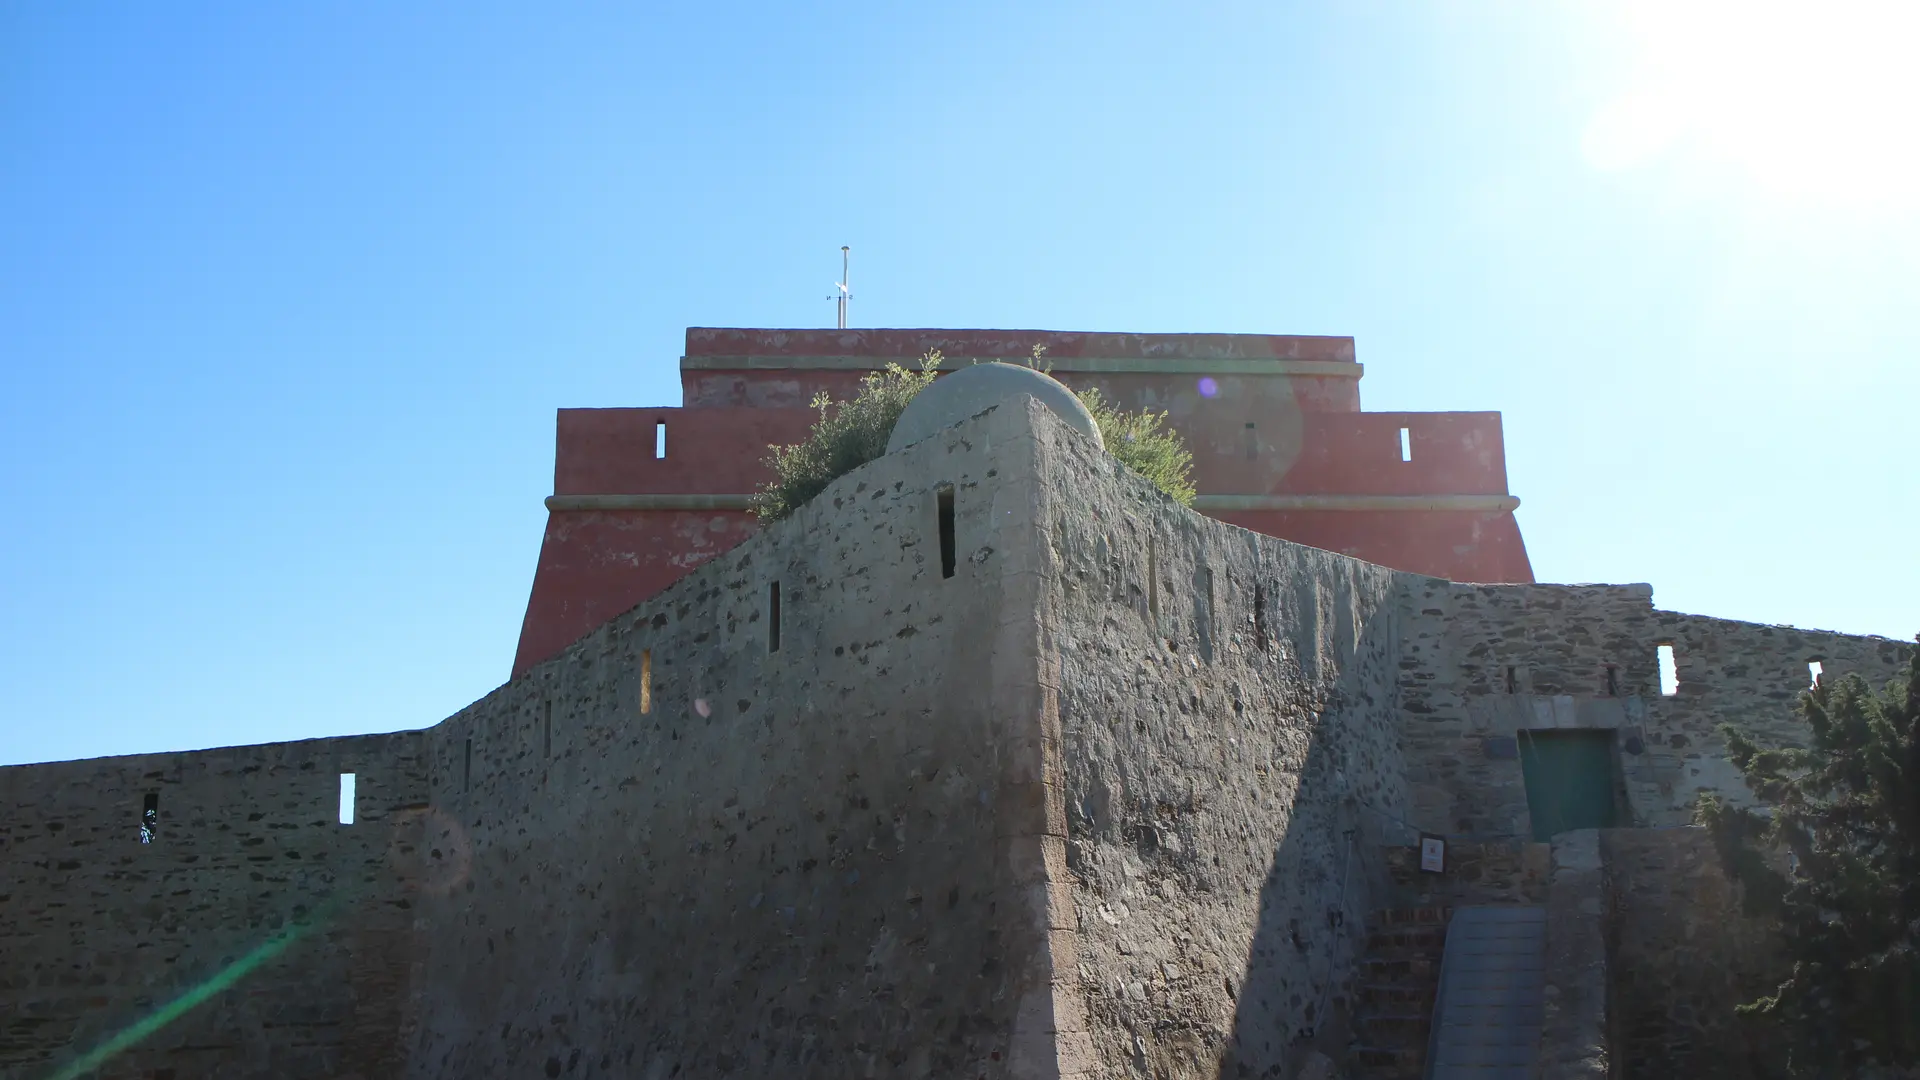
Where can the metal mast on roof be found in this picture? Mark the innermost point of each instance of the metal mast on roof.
(845, 293)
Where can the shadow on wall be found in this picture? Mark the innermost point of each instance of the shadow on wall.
(1312, 916)
(1682, 953)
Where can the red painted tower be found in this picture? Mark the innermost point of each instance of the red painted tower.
(1280, 446)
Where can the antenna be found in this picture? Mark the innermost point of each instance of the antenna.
(844, 293)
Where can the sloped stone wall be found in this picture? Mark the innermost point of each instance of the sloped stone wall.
(249, 880)
(1226, 710)
(676, 850)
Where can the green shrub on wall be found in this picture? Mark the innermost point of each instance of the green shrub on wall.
(848, 435)
(851, 433)
(1144, 444)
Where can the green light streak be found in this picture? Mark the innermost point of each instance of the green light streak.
(185, 1003)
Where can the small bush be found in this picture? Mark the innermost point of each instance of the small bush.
(1142, 444)
(845, 438)
(851, 433)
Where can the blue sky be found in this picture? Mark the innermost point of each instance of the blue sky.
(288, 294)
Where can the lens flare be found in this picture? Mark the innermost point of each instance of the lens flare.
(1208, 387)
(185, 1003)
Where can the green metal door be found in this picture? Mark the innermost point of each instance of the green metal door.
(1569, 777)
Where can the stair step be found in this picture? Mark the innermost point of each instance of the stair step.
(1393, 1027)
(1426, 938)
(1400, 974)
(1430, 916)
(1380, 968)
(1411, 992)
(1391, 1057)
(1356, 1071)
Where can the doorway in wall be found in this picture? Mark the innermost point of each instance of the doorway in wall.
(1570, 781)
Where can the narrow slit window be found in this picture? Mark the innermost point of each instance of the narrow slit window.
(1669, 672)
(1613, 681)
(1406, 444)
(659, 439)
(150, 818)
(944, 498)
(1260, 617)
(1513, 679)
(1814, 671)
(347, 790)
(646, 681)
(773, 617)
(1204, 616)
(1153, 578)
(1252, 438)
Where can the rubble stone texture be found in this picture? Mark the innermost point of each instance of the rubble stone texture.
(1112, 799)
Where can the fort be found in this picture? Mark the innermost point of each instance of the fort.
(991, 761)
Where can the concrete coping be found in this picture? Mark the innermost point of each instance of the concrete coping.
(956, 398)
(1214, 504)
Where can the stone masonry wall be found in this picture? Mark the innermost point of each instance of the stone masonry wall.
(1681, 955)
(676, 851)
(1226, 706)
(248, 873)
(1495, 872)
(1747, 674)
(1485, 663)
(1110, 798)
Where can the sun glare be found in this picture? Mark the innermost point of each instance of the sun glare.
(1819, 99)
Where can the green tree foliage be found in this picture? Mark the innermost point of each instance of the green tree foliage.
(1846, 812)
(851, 433)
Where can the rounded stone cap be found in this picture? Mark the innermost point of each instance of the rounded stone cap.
(973, 390)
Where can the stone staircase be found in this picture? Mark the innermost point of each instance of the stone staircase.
(1393, 1010)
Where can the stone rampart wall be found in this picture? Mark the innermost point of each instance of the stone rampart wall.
(249, 879)
(1226, 709)
(683, 852)
(1108, 798)
(1483, 664)
(1747, 674)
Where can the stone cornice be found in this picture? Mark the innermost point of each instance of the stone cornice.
(1219, 504)
(1104, 365)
